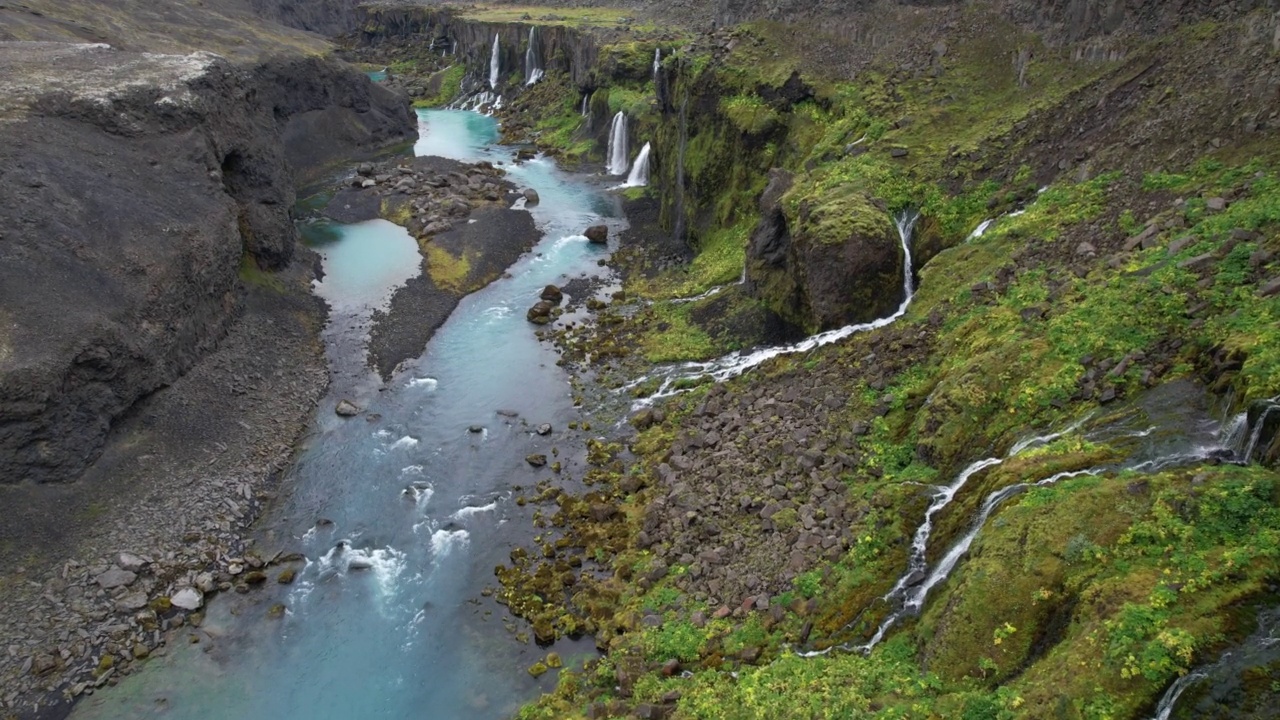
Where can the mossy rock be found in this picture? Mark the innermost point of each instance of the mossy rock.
(538, 669)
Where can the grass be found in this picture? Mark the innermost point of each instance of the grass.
(718, 262)
(543, 15)
(448, 271)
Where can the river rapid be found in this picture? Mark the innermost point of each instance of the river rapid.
(402, 512)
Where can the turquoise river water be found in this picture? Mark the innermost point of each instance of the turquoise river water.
(392, 624)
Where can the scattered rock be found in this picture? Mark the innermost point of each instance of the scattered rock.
(187, 599)
(551, 293)
(286, 576)
(1215, 204)
(544, 429)
(531, 197)
(130, 562)
(898, 152)
(597, 234)
(346, 408)
(536, 460)
(114, 578)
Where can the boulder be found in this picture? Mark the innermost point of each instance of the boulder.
(551, 293)
(187, 599)
(114, 578)
(838, 261)
(531, 197)
(536, 460)
(346, 408)
(540, 314)
(597, 234)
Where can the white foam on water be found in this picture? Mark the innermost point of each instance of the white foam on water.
(467, 512)
(382, 433)
(412, 470)
(426, 383)
(444, 542)
(405, 442)
(498, 312)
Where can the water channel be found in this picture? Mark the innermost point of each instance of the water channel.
(391, 622)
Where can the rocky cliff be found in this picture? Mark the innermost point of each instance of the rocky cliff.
(137, 188)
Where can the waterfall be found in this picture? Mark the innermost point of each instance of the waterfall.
(1259, 649)
(639, 176)
(1258, 427)
(585, 105)
(657, 63)
(533, 58)
(618, 145)
(678, 225)
(909, 594)
(495, 60)
(735, 364)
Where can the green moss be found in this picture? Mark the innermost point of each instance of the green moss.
(750, 114)
(448, 271)
(836, 214)
(252, 274)
(719, 261)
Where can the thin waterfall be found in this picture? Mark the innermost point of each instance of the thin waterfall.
(1258, 650)
(735, 364)
(678, 207)
(618, 163)
(533, 58)
(639, 176)
(657, 63)
(586, 108)
(1258, 426)
(909, 594)
(495, 61)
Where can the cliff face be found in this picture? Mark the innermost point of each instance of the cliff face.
(327, 111)
(136, 188)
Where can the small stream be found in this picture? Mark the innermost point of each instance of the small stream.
(403, 512)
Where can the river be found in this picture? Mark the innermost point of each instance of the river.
(394, 625)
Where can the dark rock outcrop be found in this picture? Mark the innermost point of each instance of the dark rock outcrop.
(136, 191)
(838, 262)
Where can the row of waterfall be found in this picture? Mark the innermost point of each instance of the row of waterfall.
(533, 69)
(616, 162)
(618, 152)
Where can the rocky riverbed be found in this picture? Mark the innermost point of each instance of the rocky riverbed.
(104, 570)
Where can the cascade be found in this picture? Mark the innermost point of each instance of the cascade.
(657, 63)
(909, 594)
(1259, 649)
(533, 58)
(495, 60)
(639, 176)
(735, 364)
(617, 157)
(585, 107)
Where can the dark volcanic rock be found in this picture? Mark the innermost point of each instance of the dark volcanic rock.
(597, 234)
(838, 262)
(131, 203)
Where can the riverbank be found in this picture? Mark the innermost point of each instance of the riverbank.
(88, 569)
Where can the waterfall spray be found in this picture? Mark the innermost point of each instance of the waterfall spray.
(495, 59)
(639, 176)
(533, 58)
(618, 145)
